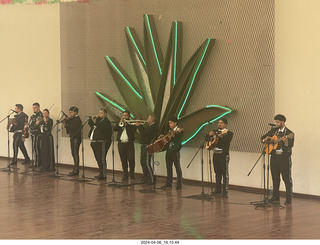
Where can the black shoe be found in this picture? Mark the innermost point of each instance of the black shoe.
(287, 202)
(13, 163)
(179, 187)
(26, 162)
(73, 173)
(124, 178)
(97, 177)
(166, 186)
(102, 178)
(216, 193)
(274, 199)
(225, 194)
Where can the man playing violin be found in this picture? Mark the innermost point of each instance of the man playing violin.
(281, 157)
(173, 154)
(34, 128)
(73, 125)
(125, 144)
(221, 156)
(100, 135)
(18, 136)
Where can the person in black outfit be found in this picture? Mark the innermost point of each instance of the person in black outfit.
(47, 145)
(34, 129)
(100, 135)
(280, 162)
(18, 136)
(125, 145)
(221, 156)
(173, 154)
(73, 125)
(147, 135)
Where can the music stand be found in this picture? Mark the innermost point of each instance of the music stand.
(202, 195)
(9, 168)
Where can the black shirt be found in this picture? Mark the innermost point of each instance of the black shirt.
(33, 127)
(73, 127)
(147, 133)
(102, 129)
(21, 120)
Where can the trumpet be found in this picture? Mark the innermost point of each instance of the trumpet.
(131, 122)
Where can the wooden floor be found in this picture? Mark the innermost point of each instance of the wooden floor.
(39, 206)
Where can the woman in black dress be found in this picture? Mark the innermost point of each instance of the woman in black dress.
(47, 147)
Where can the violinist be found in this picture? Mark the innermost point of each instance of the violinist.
(221, 156)
(73, 125)
(280, 162)
(100, 135)
(34, 128)
(18, 136)
(47, 145)
(125, 145)
(173, 154)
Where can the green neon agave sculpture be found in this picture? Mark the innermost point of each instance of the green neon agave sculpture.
(145, 95)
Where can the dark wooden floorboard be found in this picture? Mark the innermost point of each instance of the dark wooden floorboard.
(38, 206)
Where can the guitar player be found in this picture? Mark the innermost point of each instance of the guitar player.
(281, 158)
(221, 156)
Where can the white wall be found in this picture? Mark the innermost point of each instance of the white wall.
(30, 71)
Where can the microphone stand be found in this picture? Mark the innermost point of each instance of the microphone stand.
(57, 174)
(83, 177)
(202, 195)
(8, 168)
(114, 182)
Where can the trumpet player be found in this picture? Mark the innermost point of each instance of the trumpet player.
(125, 139)
(21, 120)
(147, 136)
(34, 128)
(100, 135)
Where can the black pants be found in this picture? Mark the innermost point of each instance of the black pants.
(221, 169)
(47, 153)
(75, 145)
(173, 158)
(18, 143)
(100, 150)
(145, 161)
(36, 151)
(281, 164)
(126, 152)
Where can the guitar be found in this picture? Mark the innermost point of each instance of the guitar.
(275, 142)
(214, 140)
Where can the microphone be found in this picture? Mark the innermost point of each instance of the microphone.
(271, 124)
(13, 111)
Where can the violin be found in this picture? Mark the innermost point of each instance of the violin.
(275, 142)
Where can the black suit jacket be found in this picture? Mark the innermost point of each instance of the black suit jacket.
(147, 134)
(287, 150)
(175, 144)
(103, 129)
(131, 129)
(73, 127)
(224, 142)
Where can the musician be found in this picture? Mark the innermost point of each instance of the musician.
(281, 158)
(147, 136)
(34, 129)
(221, 156)
(100, 135)
(73, 125)
(18, 136)
(125, 145)
(46, 143)
(173, 154)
